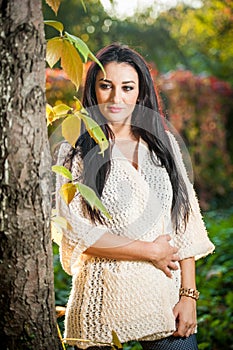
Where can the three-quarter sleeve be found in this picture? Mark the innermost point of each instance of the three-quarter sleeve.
(194, 241)
(81, 232)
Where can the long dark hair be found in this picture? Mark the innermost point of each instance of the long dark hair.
(147, 123)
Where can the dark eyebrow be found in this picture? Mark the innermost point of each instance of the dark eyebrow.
(107, 81)
(128, 82)
(123, 82)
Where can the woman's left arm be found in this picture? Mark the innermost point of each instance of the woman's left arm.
(185, 310)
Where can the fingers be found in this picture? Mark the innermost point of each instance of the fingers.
(167, 272)
(172, 265)
(165, 255)
(185, 330)
(175, 257)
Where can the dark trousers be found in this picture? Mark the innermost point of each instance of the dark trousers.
(169, 343)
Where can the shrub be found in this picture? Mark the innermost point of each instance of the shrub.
(214, 280)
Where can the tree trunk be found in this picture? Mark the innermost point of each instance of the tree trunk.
(27, 317)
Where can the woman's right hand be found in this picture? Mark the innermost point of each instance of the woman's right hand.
(164, 256)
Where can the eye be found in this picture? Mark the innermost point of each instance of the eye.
(105, 86)
(128, 88)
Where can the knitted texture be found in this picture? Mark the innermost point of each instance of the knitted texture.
(133, 298)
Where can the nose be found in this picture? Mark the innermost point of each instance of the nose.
(116, 96)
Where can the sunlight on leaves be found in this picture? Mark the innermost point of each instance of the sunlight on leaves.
(72, 63)
(54, 51)
(71, 129)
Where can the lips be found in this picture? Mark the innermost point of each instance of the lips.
(114, 109)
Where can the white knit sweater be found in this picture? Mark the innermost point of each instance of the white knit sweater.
(133, 298)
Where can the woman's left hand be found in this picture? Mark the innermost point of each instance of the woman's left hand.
(186, 317)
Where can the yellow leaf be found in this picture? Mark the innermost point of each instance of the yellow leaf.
(49, 114)
(61, 109)
(67, 192)
(54, 4)
(54, 51)
(78, 104)
(55, 24)
(60, 311)
(116, 340)
(71, 129)
(72, 63)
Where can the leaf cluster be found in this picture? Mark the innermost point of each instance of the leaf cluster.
(66, 48)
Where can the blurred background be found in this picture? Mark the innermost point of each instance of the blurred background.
(189, 48)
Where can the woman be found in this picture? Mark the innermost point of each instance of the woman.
(133, 273)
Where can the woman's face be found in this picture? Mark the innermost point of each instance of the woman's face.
(117, 94)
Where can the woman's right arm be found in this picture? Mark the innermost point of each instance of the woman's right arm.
(159, 252)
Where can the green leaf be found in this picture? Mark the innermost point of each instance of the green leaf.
(82, 47)
(71, 129)
(90, 196)
(62, 170)
(116, 341)
(72, 63)
(95, 132)
(55, 24)
(93, 58)
(54, 51)
(79, 44)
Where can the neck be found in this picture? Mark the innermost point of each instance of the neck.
(122, 131)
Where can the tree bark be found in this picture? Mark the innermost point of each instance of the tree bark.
(27, 318)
